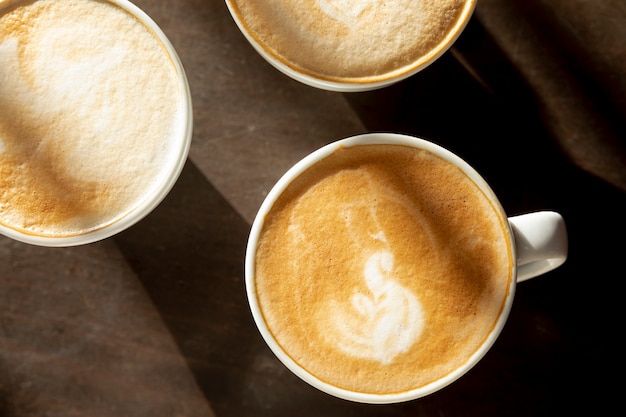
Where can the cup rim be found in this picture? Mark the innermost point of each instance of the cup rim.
(352, 84)
(153, 199)
(270, 199)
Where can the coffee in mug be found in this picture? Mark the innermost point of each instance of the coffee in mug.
(382, 267)
(351, 45)
(95, 119)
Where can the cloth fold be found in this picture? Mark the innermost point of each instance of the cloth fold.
(572, 55)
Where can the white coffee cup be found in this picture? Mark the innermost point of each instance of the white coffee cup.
(169, 171)
(537, 241)
(282, 26)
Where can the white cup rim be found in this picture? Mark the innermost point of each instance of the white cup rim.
(276, 191)
(160, 191)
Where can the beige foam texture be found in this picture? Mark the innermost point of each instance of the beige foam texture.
(355, 40)
(89, 105)
(449, 250)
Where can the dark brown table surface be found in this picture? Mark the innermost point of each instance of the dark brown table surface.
(154, 322)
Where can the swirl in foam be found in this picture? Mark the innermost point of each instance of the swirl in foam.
(91, 108)
(382, 324)
(386, 319)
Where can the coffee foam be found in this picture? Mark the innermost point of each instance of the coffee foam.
(356, 40)
(378, 324)
(91, 107)
(382, 269)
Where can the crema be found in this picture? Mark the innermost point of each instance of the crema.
(382, 268)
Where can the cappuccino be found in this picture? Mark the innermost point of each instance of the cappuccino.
(354, 41)
(93, 115)
(381, 269)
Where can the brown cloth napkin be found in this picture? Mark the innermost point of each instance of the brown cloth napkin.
(572, 56)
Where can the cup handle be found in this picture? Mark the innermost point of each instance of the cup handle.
(540, 241)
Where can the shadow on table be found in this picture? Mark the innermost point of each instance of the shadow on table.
(189, 255)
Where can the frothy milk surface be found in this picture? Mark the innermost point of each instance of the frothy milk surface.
(353, 40)
(90, 114)
(382, 268)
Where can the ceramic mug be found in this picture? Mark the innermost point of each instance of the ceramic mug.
(88, 146)
(354, 45)
(382, 267)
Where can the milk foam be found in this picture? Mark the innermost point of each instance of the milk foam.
(91, 106)
(379, 325)
(357, 40)
(347, 11)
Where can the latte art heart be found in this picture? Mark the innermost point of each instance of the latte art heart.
(346, 11)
